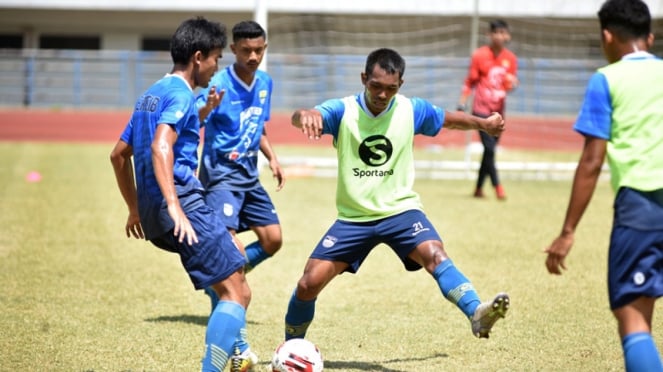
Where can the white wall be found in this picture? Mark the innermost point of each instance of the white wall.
(512, 8)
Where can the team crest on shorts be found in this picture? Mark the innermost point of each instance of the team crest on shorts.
(329, 241)
(227, 209)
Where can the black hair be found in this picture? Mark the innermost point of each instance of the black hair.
(248, 30)
(387, 59)
(627, 19)
(498, 24)
(196, 34)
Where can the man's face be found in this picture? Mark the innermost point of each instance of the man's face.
(249, 53)
(499, 37)
(207, 66)
(381, 87)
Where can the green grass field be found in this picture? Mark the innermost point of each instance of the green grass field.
(77, 295)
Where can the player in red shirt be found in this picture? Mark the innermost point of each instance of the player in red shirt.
(492, 74)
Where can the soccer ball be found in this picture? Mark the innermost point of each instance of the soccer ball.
(297, 355)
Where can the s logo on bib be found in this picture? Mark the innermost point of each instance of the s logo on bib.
(375, 151)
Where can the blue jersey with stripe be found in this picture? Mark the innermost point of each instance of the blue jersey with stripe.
(428, 118)
(233, 130)
(169, 101)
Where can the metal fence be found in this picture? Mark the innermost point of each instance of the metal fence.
(114, 79)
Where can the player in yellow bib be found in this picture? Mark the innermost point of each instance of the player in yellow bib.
(373, 133)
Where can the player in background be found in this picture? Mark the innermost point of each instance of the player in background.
(235, 133)
(621, 116)
(166, 202)
(373, 134)
(492, 74)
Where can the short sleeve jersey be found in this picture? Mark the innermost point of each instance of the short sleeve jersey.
(233, 130)
(486, 76)
(375, 153)
(623, 106)
(170, 101)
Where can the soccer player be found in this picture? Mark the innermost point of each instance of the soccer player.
(234, 134)
(621, 116)
(373, 134)
(491, 75)
(166, 202)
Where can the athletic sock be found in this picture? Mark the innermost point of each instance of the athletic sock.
(640, 353)
(456, 287)
(299, 317)
(241, 344)
(255, 254)
(222, 331)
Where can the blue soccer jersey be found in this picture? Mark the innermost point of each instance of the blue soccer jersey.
(233, 130)
(169, 101)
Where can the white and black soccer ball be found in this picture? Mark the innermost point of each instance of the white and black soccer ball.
(297, 355)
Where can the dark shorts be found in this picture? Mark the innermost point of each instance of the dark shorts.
(240, 210)
(635, 265)
(635, 260)
(214, 258)
(351, 242)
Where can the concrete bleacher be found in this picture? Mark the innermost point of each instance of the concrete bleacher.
(103, 79)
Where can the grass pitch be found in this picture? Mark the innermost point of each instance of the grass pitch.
(77, 295)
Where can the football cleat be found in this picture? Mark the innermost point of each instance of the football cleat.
(488, 313)
(243, 362)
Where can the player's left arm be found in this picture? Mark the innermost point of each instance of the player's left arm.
(208, 101)
(584, 183)
(267, 150)
(511, 81)
(493, 125)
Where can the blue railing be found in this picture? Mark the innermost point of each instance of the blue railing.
(114, 79)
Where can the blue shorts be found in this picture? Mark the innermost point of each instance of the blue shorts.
(635, 260)
(351, 242)
(214, 258)
(635, 265)
(241, 210)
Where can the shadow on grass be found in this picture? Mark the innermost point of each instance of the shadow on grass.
(192, 319)
(378, 366)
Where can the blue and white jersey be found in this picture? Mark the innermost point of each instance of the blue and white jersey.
(169, 101)
(428, 118)
(233, 130)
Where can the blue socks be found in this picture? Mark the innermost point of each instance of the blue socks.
(255, 254)
(640, 353)
(456, 287)
(223, 329)
(299, 316)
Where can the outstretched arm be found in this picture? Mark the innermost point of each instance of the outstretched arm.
(124, 175)
(309, 121)
(584, 183)
(493, 125)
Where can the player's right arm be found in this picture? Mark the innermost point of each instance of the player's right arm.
(163, 161)
(584, 183)
(594, 122)
(324, 118)
(124, 175)
(309, 121)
